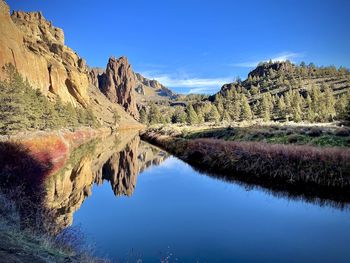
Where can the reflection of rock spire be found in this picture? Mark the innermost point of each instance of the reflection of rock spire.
(66, 190)
(117, 162)
(121, 169)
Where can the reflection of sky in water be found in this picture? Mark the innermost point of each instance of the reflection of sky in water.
(176, 210)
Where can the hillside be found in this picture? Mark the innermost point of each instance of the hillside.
(35, 49)
(278, 91)
(283, 90)
(279, 77)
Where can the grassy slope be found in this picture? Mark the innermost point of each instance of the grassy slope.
(274, 133)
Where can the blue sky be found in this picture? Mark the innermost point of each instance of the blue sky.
(196, 46)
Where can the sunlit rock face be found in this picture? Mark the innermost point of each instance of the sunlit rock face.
(116, 159)
(36, 48)
(118, 84)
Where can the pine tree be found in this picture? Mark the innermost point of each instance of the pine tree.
(143, 116)
(315, 107)
(225, 118)
(179, 115)
(347, 112)
(329, 101)
(154, 115)
(265, 108)
(281, 107)
(200, 118)
(340, 106)
(214, 115)
(296, 106)
(246, 113)
(310, 114)
(192, 117)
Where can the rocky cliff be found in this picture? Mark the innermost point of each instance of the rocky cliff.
(118, 84)
(123, 86)
(36, 48)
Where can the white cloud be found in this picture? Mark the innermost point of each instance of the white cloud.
(208, 90)
(278, 57)
(187, 82)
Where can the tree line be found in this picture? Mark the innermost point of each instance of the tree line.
(317, 105)
(25, 108)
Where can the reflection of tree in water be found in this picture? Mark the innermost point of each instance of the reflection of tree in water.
(307, 193)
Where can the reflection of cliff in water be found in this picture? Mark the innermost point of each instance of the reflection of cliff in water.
(117, 159)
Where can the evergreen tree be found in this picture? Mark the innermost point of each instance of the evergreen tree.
(281, 107)
(143, 116)
(340, 106)
(310, 114)
(265, 108)
(225, 118)
(246, 112)
(329, 101)
(296, 106)
(214, 115)
(347, 112)
(179, 115)
(200, 118)
(154, 115)
(192, 117)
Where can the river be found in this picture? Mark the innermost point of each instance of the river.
(177, 213)
(133, 201)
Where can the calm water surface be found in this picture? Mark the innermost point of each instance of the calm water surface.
(184, 215)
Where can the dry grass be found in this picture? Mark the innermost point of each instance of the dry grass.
(25, 224)
(323, 136)
(290, 164)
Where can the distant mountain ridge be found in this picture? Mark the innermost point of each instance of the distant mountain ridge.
(159, 89)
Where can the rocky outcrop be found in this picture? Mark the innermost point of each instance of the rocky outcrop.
(36, 48)
(95, 75)
(265, 69)
(118, 84)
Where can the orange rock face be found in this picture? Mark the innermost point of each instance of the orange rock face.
(36, 48)
(118, 84)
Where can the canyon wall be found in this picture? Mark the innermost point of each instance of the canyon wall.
(36, 48)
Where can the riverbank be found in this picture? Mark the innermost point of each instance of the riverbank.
(28, 160)
(22, 243)
(308, 168)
